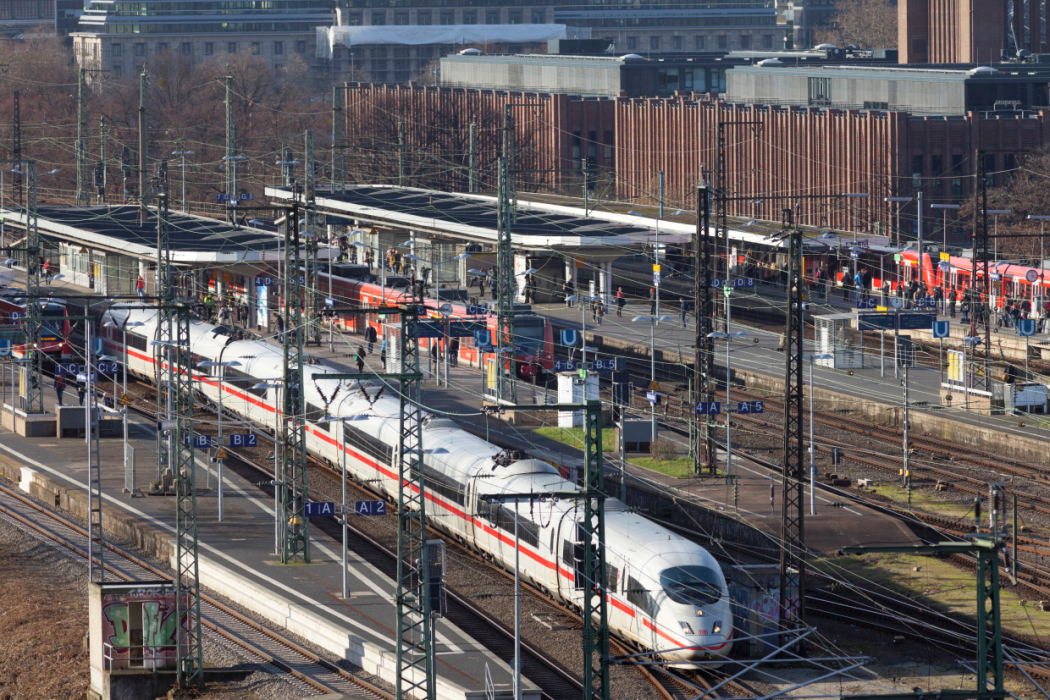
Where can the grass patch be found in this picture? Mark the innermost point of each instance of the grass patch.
(939, 583)
(679, 467)
(920, 500)
(574, 437)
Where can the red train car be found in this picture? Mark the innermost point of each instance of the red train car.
(1010, 280)
(54, 331)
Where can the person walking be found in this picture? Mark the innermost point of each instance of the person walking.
(621, 301)
(359, 359)
(683, 309)
(81, 392)
(60, 387)
(453, 353)
(952, 297)
(140, 286)
(278, 322)
(599, 310)
(370, 338)
(652, 301)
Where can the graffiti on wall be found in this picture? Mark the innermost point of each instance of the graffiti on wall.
(139, 628)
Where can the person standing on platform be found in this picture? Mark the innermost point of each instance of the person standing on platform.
(278, 322)
(683, 309)
(60, 387)
(453, 353)
(652, 301)
(81, 392)
(370, 337)
(140, 286)
(621, 301)
(359, 359)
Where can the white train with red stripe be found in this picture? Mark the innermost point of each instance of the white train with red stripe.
(665, 592)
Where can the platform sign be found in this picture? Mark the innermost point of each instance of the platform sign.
(243, 440)
(743, 282)
(716, 282)
(905, 352)
(945, 257)
(866, 303)
(750, 407)
(71, 368)
(328, 301)
(264, 281)
(995, 276)
(108, 367)
(570, 365)
(942, 329)
(199, 441)
(708, 408)
(369, 507)
(876, 322)
(97, 346)
(944, 267)
(915, 321)
(611, 364)
(652, 396)
(477, 310)
(656, 278)
(16, 316)
(925, 303)
(1025, 327)
(570, 337)
(319, 509)
(854, 254)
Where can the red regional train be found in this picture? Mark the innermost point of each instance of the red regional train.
(1010, 280)
(54, 330)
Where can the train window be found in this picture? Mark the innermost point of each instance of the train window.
(566, 552)
(316, 415)
(639, 597)
(442, 485)
(136, 341)
(364, 442)
(612, 577)
(691, 585)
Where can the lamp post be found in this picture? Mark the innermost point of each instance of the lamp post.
(995, 229)
(275, 385)
(656, 255)
(900, 202)
(1042, 219)
(581, 299)
(222, 377)
(652, 321)
(346, 514)
(728, 337)
(812, 444)
(185, 209)
(945, 208)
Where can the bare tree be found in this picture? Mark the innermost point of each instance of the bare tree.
(868, 24)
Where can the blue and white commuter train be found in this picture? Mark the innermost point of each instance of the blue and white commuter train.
(665, 592)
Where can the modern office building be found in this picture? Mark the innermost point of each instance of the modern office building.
(118, 35)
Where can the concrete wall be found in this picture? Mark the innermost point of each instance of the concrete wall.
(597, 77)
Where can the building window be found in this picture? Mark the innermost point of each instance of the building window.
(632, 43)
(278, 48)
(881, 106)
(256, 48)
(767, 41)
(492, 17)
(400, 53)
(118, 50)
(300, 46)
(162, 47)
(820, 91)
(514, 17)
(425, 52)
(378, 19)
(745, 41)
(118, 71)
(140, 49)
(700, 43)
(470, 18)
(186, 48)
(209, 49)
(723, 41)
(231, 47)
(676, 43)
(667, 80)
(400, 18)
(937, 169)
(401, 64)
(423, 17)
(539, 17)
(448, 18)
(957, 161)
(916, 172)
(354, 19)
(654, 43)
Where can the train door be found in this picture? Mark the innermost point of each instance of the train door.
(565, 557)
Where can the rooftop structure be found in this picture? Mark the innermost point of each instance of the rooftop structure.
(948, 90)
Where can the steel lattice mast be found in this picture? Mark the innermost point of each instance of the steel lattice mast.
(82, 138)
(506, 387)
(415, 671)
(34, 385)
(313, 318)
(296, 536)
(792, 551)
(595, 598)
(338, 140)
(702, 443)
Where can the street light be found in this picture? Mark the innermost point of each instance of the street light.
(346, 565)
(900, 201)
(656, 253)
(652, 321)
(728, 337)
(183, 154)
(945, 208)
(995, 228)
(812, 448)
(222, 377)
(1042, 219)
(275, 385)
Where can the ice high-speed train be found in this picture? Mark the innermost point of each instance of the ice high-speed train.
(664, 592)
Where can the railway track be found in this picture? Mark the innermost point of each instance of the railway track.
(307, 672)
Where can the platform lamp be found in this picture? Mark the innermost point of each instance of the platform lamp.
(995, 229)
(900, 202)
(346, 514)
(222, 378)
(652, 321)
(183, 154)
(728, 338)
(276, 483)
(853, 195)
(944, 208)
(1042, 219)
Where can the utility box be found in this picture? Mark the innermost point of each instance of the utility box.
(574, 389)
(836, 337)
(636, 435)
(754, 590)
(133, 636)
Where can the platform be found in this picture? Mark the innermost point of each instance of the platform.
(238, 561)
